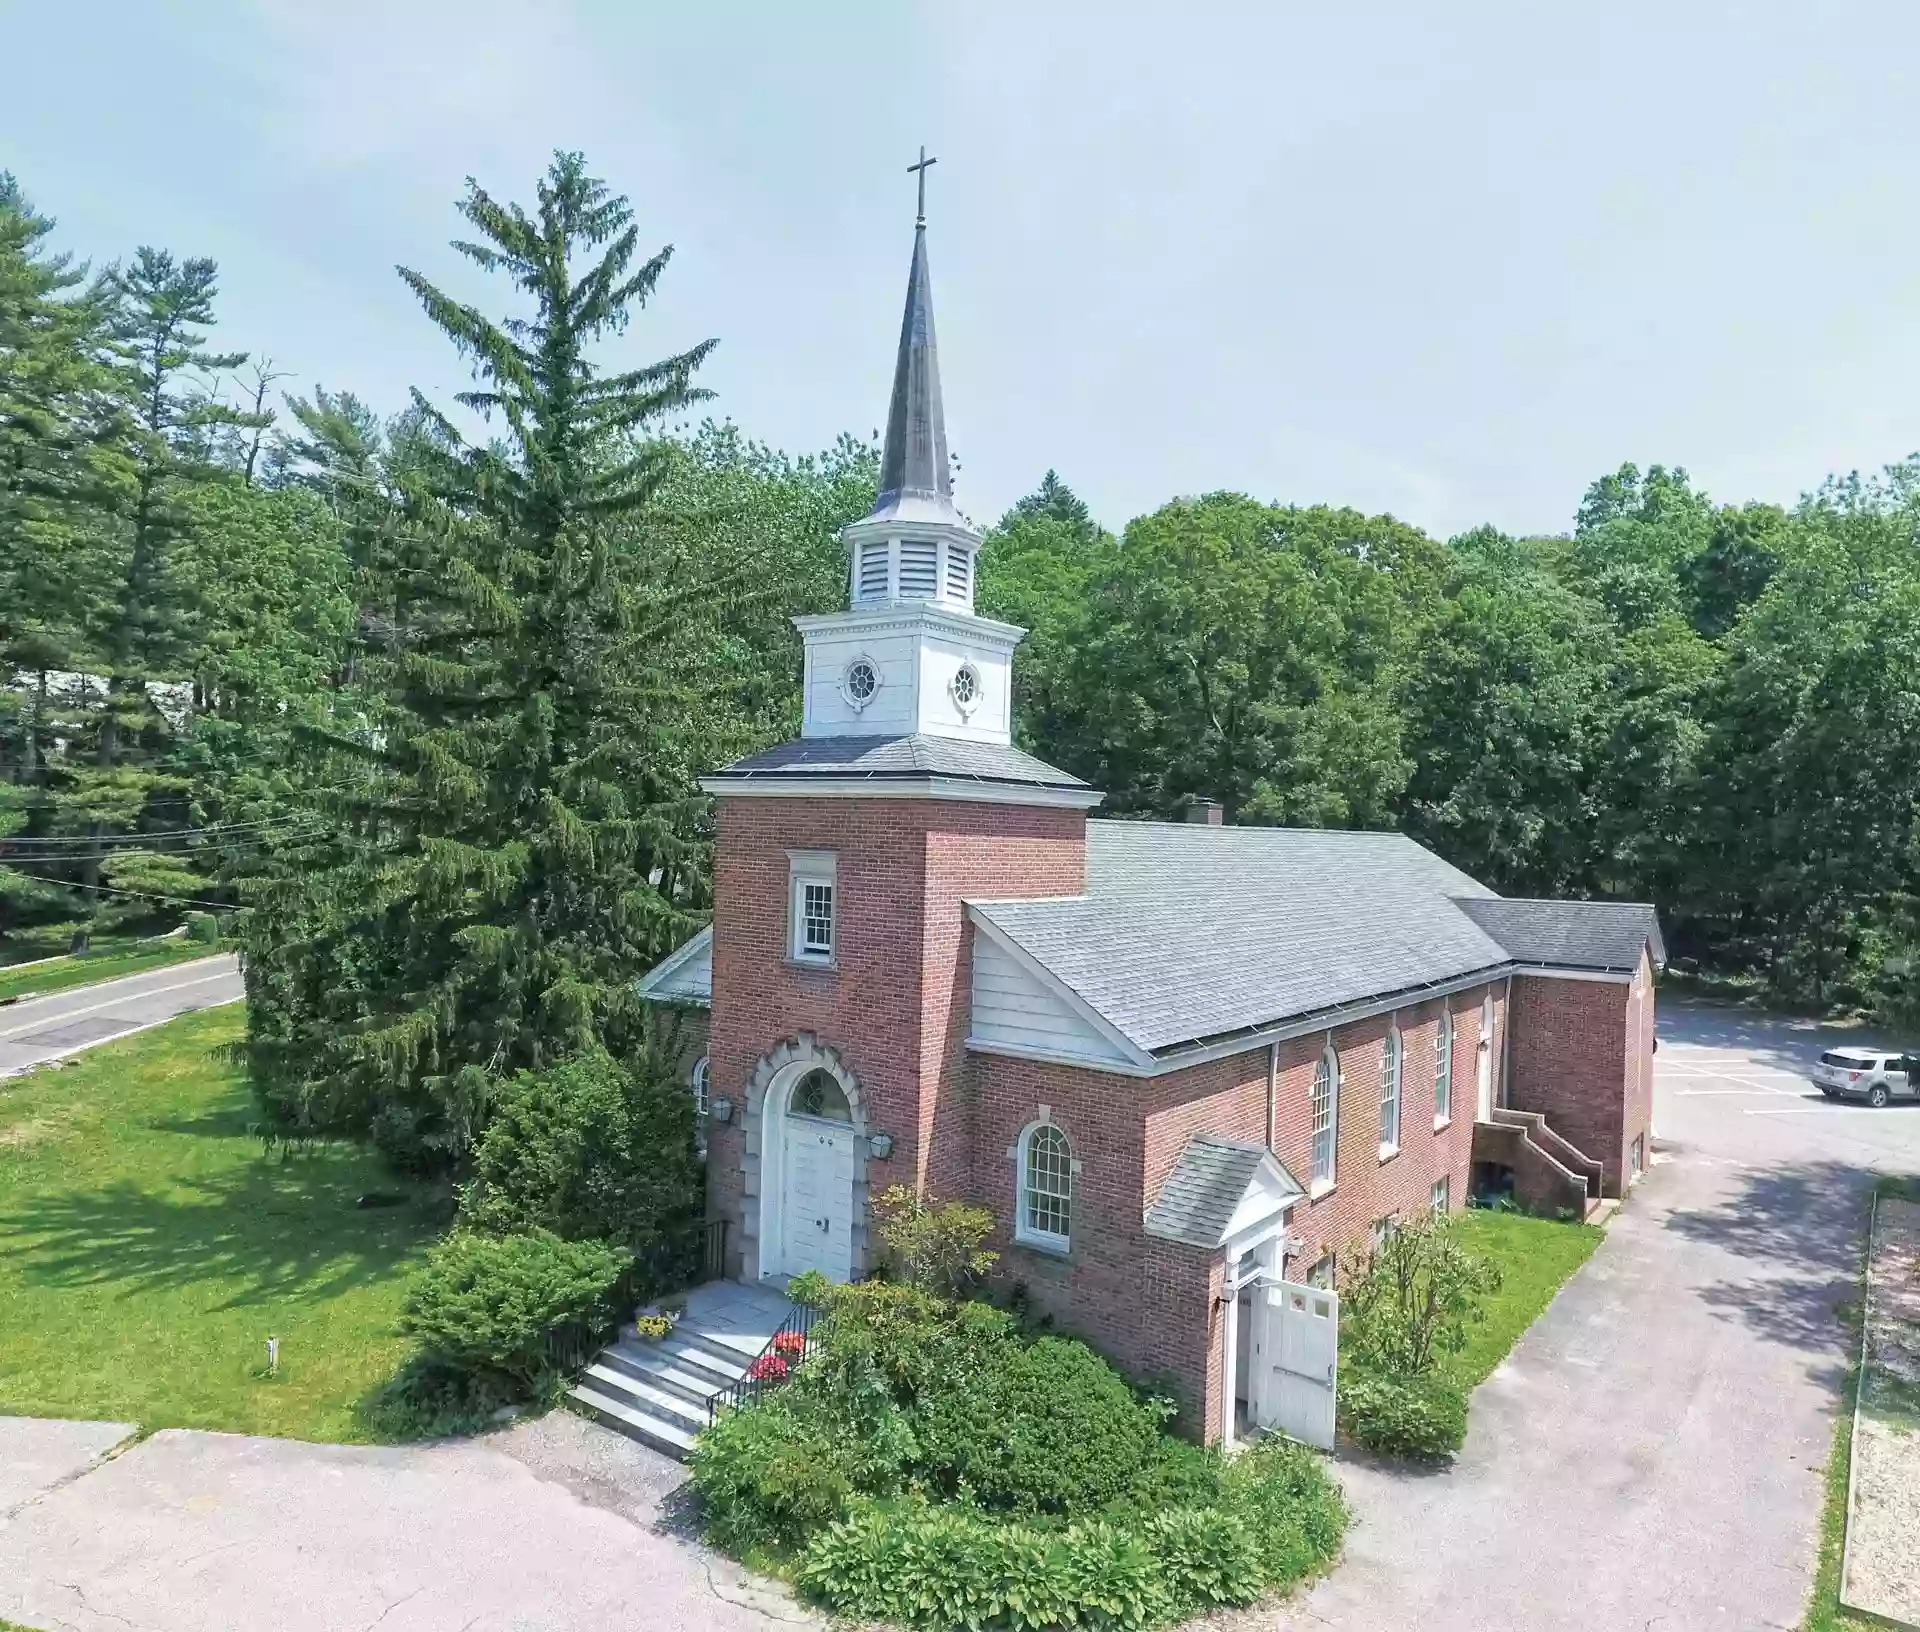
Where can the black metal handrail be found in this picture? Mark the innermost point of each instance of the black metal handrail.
(685, 1258)
(779, 1358)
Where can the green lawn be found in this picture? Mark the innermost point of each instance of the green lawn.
(107, 963)
(152, 1249)
(1535, 1255)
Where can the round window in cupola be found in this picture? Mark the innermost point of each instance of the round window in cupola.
(860, 683)
(965, 688)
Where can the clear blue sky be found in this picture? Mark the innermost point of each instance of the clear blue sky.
(1449, 261)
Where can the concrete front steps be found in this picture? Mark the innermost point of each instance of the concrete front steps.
(660, 1391)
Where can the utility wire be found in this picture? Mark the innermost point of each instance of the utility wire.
(264, 822)
(146, 895)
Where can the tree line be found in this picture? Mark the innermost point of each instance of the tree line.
(418, 698)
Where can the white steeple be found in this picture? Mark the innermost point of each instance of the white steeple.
(909, 655)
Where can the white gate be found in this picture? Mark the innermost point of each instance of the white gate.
(1299, 1348)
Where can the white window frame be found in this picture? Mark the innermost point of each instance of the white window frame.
(812, 870)
(1025, 1233)
(1393, 1053)
(1443, 1069)
(1440, 1195)
(702, 1097)
(1323, 1272)
(1328, 1065)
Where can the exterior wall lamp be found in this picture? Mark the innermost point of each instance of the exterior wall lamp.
(881, 1144)
(721, 1110)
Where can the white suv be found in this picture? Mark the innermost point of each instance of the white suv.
(1871, 1074)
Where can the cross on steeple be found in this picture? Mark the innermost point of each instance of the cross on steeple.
(920, 215)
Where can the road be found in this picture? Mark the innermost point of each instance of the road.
(1651, 1454)
(38, 1029)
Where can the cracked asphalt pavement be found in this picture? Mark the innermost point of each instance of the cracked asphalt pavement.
(554, 1524)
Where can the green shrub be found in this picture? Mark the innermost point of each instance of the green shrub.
(1044, 1428)
(1293, 1511)
(952, 1568)
(904, 1335)
(1206, 1558)
(203, 926)
(769, 1477)
(589, 1150)
(488, 1302)
(1421, 1418)
(939, 1247)
(429, 1398)
(1179, 1473)
(1408, 1298)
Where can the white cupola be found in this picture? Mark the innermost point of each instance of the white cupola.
(909, 655)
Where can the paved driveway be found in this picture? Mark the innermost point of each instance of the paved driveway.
(37, 1029)
(1651, 1454)
(555, 1526)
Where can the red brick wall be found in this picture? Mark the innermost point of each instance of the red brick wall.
(1571, 1061)
(894, 1005)
(1147, 1303)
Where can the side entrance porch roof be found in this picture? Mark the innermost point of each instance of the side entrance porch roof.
(1218, 1189)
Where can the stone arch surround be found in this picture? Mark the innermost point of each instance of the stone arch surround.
(805, 1051)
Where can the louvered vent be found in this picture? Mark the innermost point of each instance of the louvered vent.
(873, 570)
(959, 574)
(919, 569)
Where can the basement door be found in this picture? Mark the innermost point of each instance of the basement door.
(1299, 1355)
(816, 1202)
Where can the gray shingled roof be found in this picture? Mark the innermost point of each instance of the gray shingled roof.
(1599, 935)
(916, 755)
(1190, 932)
(1198, 1199)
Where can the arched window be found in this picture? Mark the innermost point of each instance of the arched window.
(1443, 1067)
(1046, 1188)
(1390, 1091)
(819, 1094)
(701, 1098)
(1326, 1114)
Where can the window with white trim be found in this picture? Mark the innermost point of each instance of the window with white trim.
(1384, 1230)
(1440, 1197)
(701, 1098)
(812, 907)
(1390, 1091)
(1326, 1114)
(1443, 1067)
(1321, 1275)
(1046, 1188)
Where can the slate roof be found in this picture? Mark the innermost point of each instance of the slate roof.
(1606, 936)
(1200, 1195)
(1189, 932)
(915, 755)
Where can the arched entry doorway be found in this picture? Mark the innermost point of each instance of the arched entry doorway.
(810, 1148)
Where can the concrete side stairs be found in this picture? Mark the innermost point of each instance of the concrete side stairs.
(659, 1391)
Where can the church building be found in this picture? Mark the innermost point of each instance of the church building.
(1189, 1067)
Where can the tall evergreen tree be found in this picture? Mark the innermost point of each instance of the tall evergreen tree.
(515, 817)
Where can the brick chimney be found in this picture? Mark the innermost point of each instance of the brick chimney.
(1205, 812)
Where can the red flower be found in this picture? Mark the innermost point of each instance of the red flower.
(770, 1368)
(790, 1344)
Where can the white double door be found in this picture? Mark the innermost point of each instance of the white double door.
(1296, 1360)
(816, 1198)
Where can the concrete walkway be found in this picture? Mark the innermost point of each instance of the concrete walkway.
(1652, 1453)
(554, 1526)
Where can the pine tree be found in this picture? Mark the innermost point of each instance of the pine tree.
(512, 804)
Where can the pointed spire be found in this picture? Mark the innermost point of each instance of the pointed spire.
(913, 463)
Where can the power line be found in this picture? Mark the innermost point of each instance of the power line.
(261, 829)
(143, 895)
